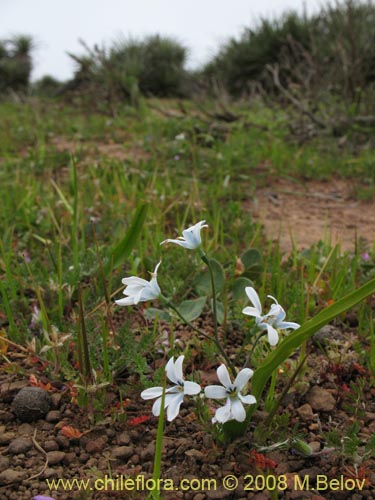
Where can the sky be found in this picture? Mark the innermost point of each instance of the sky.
(201, 25)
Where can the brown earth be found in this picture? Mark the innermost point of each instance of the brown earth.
(300, 214)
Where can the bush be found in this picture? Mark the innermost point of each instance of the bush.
(152, 67)
(15, 64)
(47, 86)
(335, 49)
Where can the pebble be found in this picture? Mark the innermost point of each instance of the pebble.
(6, 438)
(56, 400)
(11, 476)
(53, 416)
(25, 430)
(62, 441)
(122, 452)
(50, 445)
(320, 399)
(148, 452)
(6, 416)
(4, 463)
(123, 438)
(305, 412)
(55, 457)
(315, 446)
(95, 446)
(20, 445)
(31, 403)
(219, 494)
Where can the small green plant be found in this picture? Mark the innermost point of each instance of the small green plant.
(232, 419)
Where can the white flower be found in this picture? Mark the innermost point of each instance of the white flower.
(191, 237)
(233, 409)
(140, 290)
(180, 137)
(272, 321)
(174, 395)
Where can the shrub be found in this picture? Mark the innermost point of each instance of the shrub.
(15, 63)
(151, 67)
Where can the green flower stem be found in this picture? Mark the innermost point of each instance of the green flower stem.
(155, 493)
(206, 260)
(250, 355)
(285, 391)
(201, 332)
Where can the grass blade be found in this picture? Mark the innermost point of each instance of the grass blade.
(121, 251)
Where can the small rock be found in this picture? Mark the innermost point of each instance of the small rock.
(6, 416)
(148, 452)
(4, 463)
(20, 445)
(123, 438)
(312, 473)
(315, 446)
(55, 457)
(122, 452)
(25, 430)
(9, 476)
(83, 457)
(62, 441)
(6, 438)
(50, 473)
(53, 416)
(50, 445)
(199, 496)
(31, 403)
(219, 494)
(195, 454)
(325, 334)
(69, 458)
(56, 400)
(320, 399)
(305, 412)
(95, 446)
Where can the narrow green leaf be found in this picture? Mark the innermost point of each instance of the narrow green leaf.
(120, 252)
(192, 309)
(298, 337)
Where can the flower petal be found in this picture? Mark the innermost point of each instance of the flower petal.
(238, 411)
(242, 378)
(215, 392)
(254, 298)
(251, 311)
(248, 400)
(128, 301)
(152, 392)
(191, 388)
(273, 298)
(174, 406)
(181, 243)
(223, 414)
(134, 281)
(223, 376)
(170, 371)
(284, 325)
(156, 407)
(178, 368)
(273, 336)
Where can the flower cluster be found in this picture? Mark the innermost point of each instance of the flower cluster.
(233, 409)
(139, 290)
(273, 321)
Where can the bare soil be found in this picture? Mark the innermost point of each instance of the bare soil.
(301, 214)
